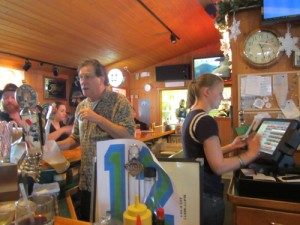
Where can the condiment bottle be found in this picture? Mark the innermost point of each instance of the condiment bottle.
(160, 218)
(131, 214)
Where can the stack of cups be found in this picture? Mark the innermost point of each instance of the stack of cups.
(6, 130)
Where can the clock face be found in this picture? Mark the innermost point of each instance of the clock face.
(262, 48)
(115, 77)
(26, 96)
(147, 87)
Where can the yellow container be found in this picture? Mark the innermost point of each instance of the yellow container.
(130, 215)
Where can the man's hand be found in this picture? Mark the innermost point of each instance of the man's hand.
(88, 114)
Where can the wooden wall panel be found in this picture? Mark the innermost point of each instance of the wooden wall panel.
(136, 86)
(35, 77)
(250, 19)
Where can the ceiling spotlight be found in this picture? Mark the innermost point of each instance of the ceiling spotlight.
(27, 65)
(173, 38)
(55, 71)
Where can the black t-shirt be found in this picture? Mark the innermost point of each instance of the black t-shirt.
(61, 137)
(5, 117)
(203, 127)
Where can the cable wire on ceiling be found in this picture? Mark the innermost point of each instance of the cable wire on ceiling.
(36, 60)
(173, 36)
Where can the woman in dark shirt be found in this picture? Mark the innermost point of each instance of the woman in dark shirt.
(200, 139)
(58, 130)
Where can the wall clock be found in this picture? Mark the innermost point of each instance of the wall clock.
(261, 48)
(147, 87)
(115, 77)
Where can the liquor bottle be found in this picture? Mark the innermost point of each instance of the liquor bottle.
(150, 198)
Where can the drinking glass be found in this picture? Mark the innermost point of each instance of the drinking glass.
(53, 156)
(39, 211)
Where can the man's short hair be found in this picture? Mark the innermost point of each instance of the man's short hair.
(99, 68)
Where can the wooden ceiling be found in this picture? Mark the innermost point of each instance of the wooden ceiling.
(119, 33)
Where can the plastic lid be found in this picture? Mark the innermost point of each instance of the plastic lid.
(150, 172)
(137, 208)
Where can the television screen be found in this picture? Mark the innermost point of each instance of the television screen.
(275, 11)
(217, 65)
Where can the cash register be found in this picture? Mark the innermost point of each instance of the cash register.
(275, 164)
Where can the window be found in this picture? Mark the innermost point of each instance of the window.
(8, 75)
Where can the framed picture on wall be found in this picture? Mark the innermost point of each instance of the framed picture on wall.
(55, 88)
(297, 58)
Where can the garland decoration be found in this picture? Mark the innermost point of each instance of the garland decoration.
(227, 6)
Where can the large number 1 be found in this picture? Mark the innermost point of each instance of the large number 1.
(114, 163)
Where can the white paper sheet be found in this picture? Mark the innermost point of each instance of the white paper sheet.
(280, 87)
(252, 87)
(257, 86)
(290, 109)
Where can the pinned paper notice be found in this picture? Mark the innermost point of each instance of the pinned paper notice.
(280, 87)
(256, 85)
(290, 109)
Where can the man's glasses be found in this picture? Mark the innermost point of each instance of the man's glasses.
(86, 77)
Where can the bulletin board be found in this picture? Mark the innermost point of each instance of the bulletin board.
(257, 93)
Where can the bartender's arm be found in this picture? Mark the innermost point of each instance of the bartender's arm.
(237, 143)
(68, 143)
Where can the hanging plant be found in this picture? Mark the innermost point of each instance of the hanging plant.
(227, 6)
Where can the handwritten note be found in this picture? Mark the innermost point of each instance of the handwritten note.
(257, 86)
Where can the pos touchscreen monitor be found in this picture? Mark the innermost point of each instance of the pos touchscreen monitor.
(280, 139)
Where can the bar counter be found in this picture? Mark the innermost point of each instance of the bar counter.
(150, 135)
(74, 155)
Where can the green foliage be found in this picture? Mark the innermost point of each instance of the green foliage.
(227, 6)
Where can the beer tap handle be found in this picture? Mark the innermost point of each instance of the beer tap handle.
(49, 117)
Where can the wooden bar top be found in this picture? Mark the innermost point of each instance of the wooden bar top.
(150, 135)
(66, 221)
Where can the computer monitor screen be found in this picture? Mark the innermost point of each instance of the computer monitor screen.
(272, 133)
(279, 138)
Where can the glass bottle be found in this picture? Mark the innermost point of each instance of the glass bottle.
(134, 168)
(150, 198)
(160, 218)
